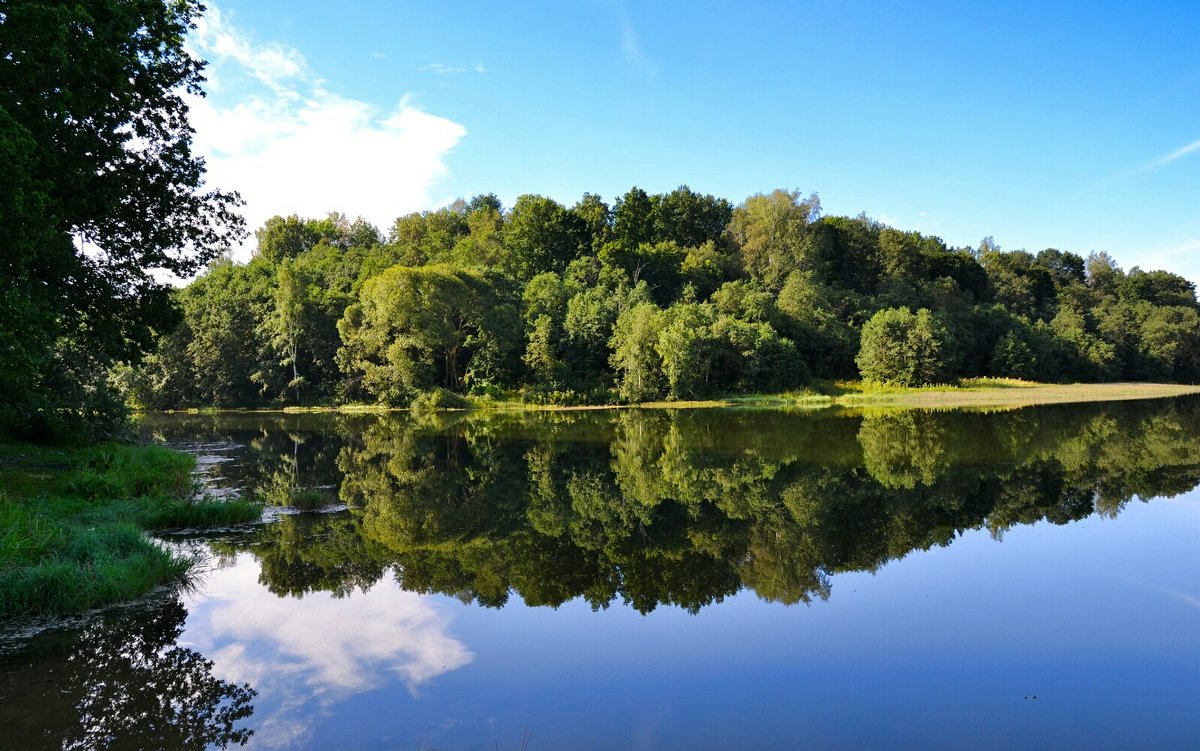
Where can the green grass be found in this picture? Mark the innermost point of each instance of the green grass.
(73, 524)
(1004, 393)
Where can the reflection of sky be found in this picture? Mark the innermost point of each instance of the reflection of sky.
(935, 651)
(306, 655)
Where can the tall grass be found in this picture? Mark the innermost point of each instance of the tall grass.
(73, 524)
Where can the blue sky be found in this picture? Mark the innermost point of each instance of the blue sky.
(1043, 124)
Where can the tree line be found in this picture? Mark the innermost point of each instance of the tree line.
(676, 295)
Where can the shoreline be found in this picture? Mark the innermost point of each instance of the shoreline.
(78, 524)
(976, 393)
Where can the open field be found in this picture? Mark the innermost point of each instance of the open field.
(1011, 394)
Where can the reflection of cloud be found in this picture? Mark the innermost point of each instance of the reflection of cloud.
(290, 145)
(307, 654)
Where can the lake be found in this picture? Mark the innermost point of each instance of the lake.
(658, 579)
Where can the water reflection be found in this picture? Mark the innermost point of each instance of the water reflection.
(335, 628)
(121, 683)
(684, 508)
(307, 654)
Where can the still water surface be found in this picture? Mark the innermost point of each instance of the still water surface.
(703, 579)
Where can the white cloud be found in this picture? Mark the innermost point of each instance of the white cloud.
(1168, 158)
(442, 68)
(272, 64)
(289, 145)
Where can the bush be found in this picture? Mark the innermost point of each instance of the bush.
(905, 348)
(439, 399)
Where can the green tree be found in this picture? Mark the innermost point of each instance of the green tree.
(635, 356)
(283, 237)
(96, 156)
(412, 330)
(906, 348)
(285, 326)
(771, 233)
(542, 235)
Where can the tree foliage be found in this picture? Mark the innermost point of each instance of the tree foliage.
(678, 295)
(905, 348)
(98, 189)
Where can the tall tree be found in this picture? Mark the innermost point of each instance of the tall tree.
(92, 107)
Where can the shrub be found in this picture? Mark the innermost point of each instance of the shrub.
(905, 348)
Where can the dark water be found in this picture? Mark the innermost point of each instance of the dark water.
(707, 579)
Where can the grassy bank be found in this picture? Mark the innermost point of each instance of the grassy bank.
(970, 392)
(992, 392)
(73, 524)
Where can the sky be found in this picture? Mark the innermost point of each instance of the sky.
(1066, 125)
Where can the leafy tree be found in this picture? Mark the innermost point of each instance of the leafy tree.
(285, 237)
(96, 156)
(1169, 341)
(657, 264)
(1065, 268)
(285, 325)
(688, 350)
(690, 219)
(634, 219)
(845, 250)
(906, 348)
(771, 233)
(1103, 273)
(807, 317)
(635, 355)
(1083, 354)
(427, 237)
(597, 218)
(412, 330)
(1013, 358)
(542, 235)
(1157, 287)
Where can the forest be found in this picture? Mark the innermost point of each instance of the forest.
(671, 296)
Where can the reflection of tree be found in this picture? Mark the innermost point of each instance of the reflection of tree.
(685, 508)
(903, 449)
(123, 683)
(277, 456)
(305, 553)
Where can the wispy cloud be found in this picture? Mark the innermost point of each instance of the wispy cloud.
(631, 48)
(272, 64)
(1153, 164)
(1168, 158)
(443, 69)
(277, 133)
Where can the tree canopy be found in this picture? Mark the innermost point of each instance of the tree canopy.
(658, 296)
(100, 194)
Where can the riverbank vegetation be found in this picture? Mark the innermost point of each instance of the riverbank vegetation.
(73, 524)
(672, 296)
